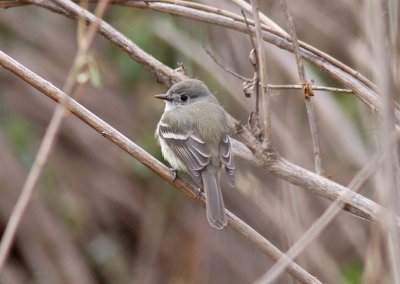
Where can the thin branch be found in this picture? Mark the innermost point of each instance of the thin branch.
(262, 69)
(47, 143)
(146, 159)
(254, 83)
(315, 88)
(307, 98)
(219, 63)
(269, 160)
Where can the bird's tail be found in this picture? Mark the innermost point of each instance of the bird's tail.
(214, 202)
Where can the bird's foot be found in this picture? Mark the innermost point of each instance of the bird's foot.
(198, 193)
(174, 174)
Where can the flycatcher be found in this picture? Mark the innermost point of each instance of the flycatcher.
(193, 135)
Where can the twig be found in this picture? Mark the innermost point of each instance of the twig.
(253, 84)
(322, 222)
(146, 159)
(219, 63)
(303, 79)
(357, 205)
(315, 88)
(262, 68)
(47, 143)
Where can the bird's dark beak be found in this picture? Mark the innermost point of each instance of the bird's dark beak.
(164, 97)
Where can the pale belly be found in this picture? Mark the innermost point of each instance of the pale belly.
(169, 155)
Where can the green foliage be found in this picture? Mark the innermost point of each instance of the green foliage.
(352, 274)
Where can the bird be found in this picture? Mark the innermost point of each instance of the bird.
(194, 137)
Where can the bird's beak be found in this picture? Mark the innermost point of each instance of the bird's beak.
(164, 97)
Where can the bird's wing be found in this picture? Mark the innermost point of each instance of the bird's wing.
(190, 149)
(227, 159)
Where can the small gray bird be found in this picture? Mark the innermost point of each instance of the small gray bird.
(193, 135)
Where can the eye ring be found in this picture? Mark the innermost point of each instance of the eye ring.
(183, 98)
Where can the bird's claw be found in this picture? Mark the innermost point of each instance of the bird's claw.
(198, 193)
(174, 174)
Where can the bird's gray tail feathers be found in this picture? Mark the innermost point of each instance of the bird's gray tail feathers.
(214, 202)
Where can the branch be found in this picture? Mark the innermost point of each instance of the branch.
(146, 159)
(262, 69)
(307, 90)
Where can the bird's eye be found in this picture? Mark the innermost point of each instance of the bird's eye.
(183, 98)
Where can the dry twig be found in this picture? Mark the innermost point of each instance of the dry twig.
(262, 69)
(307, 90)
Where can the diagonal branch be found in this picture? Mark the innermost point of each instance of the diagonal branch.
(146, 159)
